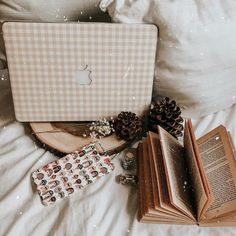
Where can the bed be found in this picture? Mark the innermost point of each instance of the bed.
(103, 208)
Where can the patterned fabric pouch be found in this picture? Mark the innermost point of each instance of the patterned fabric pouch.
(73, 172)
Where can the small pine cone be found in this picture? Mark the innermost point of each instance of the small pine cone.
(127, 125)
(166, 114)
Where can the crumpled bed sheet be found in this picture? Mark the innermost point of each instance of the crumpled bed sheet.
(103, 208)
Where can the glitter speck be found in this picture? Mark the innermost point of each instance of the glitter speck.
(217, 138)
(81, 13)
(133, 98)
(185, 182)
(127, 71)
(90, 18)
(65, 18)
(20, 212)
(17, 197)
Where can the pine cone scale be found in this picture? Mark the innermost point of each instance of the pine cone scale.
(128, 126)
(167, 114)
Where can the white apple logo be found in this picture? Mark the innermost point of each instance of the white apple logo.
(83, 76)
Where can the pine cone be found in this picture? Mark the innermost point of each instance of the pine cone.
(166, 114)
(127, 125)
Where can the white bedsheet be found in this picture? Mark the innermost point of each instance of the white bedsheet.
(103, 208)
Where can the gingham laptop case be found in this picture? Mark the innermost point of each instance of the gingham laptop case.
(79, 71)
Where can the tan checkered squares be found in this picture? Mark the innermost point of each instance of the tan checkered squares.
(46, 62)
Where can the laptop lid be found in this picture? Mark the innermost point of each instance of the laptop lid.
(79, 71)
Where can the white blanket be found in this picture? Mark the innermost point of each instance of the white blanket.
(103, 208)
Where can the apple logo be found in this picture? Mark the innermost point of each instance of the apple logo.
(83, 76)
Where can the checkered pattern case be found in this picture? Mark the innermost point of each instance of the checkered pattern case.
(47, 61)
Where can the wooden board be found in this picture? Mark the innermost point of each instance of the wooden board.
(64, 142)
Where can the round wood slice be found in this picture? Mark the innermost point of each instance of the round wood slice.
(64, 142)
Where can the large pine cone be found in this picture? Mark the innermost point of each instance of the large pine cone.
(166, 114)
(127, 125)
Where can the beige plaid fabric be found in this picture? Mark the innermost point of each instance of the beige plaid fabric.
(43, 59)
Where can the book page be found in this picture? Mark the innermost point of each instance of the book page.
(149, 202)
(204, 179)
(141, 181)
(158, 173)
(159, 169)
(219, 164)
(148, 212)
(194, 173)
(155, 187)
(226, 220)
(176, 173)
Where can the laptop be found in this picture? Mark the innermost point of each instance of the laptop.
(79, 71)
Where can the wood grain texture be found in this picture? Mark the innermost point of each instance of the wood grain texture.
(64, 142)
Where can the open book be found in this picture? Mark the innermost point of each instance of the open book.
(193, 183)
